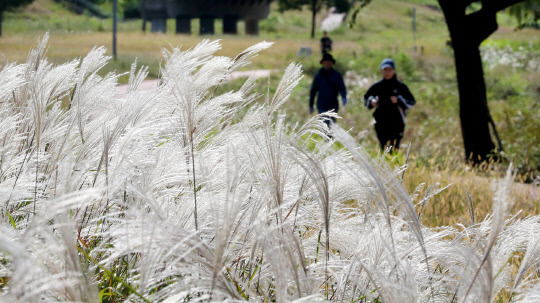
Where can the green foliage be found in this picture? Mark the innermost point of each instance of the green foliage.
(130, 8)
(126, 8)
(11, 4)
(513, 103)
(8, 5)
(340, 5)
(270, 24)
(292, 4)
(527, 13)
(356, 9)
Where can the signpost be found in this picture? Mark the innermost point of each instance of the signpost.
(413, 28)
(115, 21)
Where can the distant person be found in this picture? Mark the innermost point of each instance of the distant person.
(391, 98)
(326, 43)
(327, 84)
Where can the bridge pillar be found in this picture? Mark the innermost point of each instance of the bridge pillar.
(229, 24)
(252, 26)
(183, 25)
(207, 25)
(159, 25)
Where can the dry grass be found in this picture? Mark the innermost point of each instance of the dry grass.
(466, 185)
(147, 47)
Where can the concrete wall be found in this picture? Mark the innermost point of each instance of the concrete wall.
(257, 9)
(206, 11)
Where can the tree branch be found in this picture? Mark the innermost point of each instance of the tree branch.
(482, 23)
(498, 5)
(460, 5)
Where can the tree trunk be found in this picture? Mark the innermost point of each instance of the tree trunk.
(313, 17)
(473, 108)
(466, 33)
(1, 14)
(142, 9)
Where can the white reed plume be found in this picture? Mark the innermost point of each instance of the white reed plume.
(500, 206)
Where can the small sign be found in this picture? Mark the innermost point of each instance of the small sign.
(304, 51)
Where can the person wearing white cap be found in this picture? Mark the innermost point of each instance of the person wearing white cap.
(391, 99)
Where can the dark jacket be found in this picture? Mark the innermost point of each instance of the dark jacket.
(388, 113)
(326, 45)
(327, 83)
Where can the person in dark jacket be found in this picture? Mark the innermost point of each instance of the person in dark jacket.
(326, 44)
(391, 98)
(327, 84)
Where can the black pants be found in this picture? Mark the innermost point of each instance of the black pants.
(389, 135)
(330, 120)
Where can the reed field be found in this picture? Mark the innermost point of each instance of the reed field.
(202, 189)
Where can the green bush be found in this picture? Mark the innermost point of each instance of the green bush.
(269, 25)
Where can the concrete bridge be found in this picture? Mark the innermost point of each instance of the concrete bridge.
(207, 11)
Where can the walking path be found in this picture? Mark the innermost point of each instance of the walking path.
(148, 84)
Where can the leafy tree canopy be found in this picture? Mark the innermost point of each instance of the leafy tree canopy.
(340, 5)
(527, 13)
(297, 4)
(10, 4)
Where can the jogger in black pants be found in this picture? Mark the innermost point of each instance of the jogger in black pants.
(391, 98)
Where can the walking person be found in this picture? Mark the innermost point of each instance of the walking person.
(327, 83)
(391, 98)
(326, 44)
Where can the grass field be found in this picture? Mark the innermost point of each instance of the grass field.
(383, 29)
